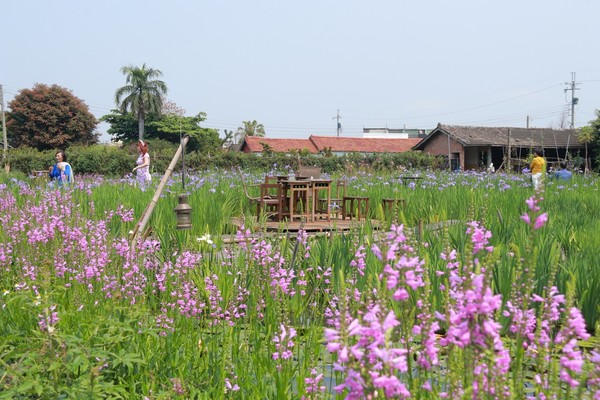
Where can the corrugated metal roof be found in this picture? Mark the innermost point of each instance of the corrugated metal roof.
(498, 136)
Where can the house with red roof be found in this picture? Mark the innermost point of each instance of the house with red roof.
(344, 145)
(335, 145)
(255, 144)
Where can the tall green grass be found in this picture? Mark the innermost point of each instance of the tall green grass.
(109, 347)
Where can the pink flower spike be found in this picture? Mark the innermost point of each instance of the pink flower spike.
(531, 203)
(390, 321)
(525, 217)
(540, 221)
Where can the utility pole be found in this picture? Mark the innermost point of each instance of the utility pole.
(574, 100)
(3, 126)
(527, 125)
(338, 125)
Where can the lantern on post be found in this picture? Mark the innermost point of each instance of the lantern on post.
(184, 213)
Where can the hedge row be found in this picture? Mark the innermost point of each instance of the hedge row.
(118, 161)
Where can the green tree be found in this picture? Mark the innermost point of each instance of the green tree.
(166, 127)
(586, 135)
(249, 128)
(49, 117)
(595, 142)
(170, 127)
(124, 126)
(142, 95)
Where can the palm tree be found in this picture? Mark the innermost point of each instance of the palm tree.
(250, 128)
(142, 94)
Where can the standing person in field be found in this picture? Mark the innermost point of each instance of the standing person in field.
(143, 165)
(61, 171)
(538, 168)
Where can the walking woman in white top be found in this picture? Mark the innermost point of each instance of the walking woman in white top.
(143, 165)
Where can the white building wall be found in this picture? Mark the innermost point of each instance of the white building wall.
(384, 135)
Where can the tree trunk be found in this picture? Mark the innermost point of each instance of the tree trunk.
(585, 168)
(141, 126)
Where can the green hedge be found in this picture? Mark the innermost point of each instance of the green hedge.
(116, 161)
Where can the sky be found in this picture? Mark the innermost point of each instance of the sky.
(291, 65)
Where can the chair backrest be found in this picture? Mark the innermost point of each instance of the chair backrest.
(244, 185)
(270, 179)
(309, 172)
(271, 191)
(340, 188)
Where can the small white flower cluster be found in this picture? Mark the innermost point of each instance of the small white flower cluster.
(205, 238)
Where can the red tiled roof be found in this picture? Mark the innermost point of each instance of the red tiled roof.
(363, 145)
(253, 144)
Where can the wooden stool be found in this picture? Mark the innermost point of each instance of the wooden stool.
(321, 206)
(298, 194)
(355, 206)
(391, 207)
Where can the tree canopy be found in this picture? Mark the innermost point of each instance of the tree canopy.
(249, 128)
(166, 127)
(591, 135)
(142, 95)
(49, 117)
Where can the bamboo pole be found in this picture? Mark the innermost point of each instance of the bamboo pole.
(139, 229)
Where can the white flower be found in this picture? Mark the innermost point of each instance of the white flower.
(206, 238)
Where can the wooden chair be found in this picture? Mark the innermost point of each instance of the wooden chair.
(270, 201)
(270, 179)
(251, 199)
(336, 202)
(308, 173)
(297, 196)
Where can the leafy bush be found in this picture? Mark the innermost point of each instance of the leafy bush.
(115, 161)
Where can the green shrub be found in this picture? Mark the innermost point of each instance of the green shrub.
(114, 161)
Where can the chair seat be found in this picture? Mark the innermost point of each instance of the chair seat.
(271, 201)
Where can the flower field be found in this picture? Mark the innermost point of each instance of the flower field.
(502, 303)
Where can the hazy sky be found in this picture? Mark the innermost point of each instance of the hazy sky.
(291, 65)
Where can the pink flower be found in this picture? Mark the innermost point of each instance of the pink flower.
(540, 221)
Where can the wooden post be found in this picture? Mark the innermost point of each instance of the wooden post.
(139, 229)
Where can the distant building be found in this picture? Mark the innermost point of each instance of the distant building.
(344, 145)
(334, 145)
(254, 144)
(391, 133)
(475, 147)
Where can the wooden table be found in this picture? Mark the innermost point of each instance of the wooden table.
(305, 191)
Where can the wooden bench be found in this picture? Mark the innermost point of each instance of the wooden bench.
(392, 207)
(355, 207)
